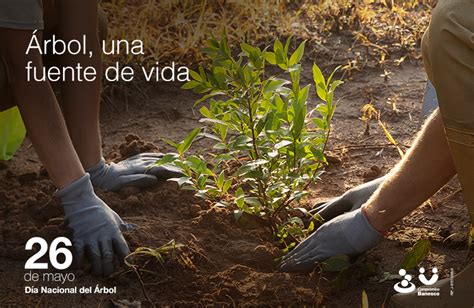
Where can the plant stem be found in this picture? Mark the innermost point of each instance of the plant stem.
(142, 285)
(252, 128)
(287, 201)
(261, 186)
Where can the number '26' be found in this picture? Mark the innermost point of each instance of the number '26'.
(54, 252)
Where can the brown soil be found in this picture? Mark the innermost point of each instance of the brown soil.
(233, 264)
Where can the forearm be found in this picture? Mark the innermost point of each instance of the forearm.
(81, 100)
(47, 131)
(421, 173)
(39, 110)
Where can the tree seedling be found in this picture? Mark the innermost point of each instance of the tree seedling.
(268, 139)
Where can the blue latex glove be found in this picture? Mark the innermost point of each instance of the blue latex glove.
(347, 234)
(351, 200)
(96, 228)
(137, 171)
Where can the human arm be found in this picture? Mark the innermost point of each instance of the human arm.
(424, 170)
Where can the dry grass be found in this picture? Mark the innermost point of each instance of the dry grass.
(383, 27)
(174, 30)
(384, 32)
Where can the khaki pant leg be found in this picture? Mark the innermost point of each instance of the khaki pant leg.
(449, 57)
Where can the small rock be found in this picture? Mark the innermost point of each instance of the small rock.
(332, 159)
(372, 174)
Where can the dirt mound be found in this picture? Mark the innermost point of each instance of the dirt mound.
(132, 145)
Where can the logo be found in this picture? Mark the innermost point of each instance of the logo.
(407, 286)
(433, 278)
(404, 286)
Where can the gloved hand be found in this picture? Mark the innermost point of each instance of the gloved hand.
(96, 228)
(138, 171)
(348, 234)
(349, 201)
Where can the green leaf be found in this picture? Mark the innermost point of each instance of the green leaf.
(270, 57)
(205, 112)
(171, 142)
(274, 85)
(195, 75)
(280, 56)
(299, 108)
(227, 185)
(222, 131)
(202, 73)
(212, 42)
(186, 143)
(201, 181)
(320, 82)
(185, 180)
(208, 96)
(241, 142)
(211, 136)
(237, 214)
(336, 84)
(303, 95)
(253, 201)
(219, 146)
(247, 49)
(215, 121)
(282, 144)
(195, 163)
(320, 123)
(190, 85)
(416, 254)
(323, 110)
(332, 75)
(318, 154)
(166, 159)
(287, 44)
(297, 55)
(220, 180)
(257, 162)
(223, 157)
(280, 104)
(239, 198)
(243, 170)
(219, 78)
(277, 45)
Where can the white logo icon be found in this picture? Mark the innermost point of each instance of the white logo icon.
(405, 286)
(433, 278)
